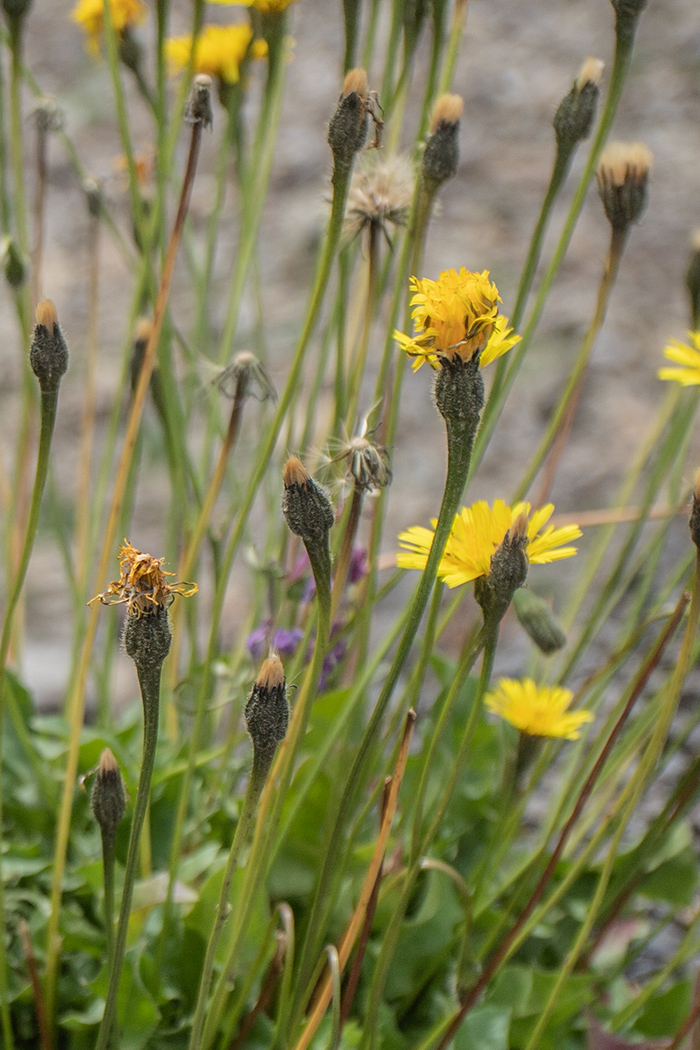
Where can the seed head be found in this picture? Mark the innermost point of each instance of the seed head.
(48, 353)
(381, 192)
(199, 109)
(622, 176)
(245, 377)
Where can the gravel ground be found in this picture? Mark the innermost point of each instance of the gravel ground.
(517, 61)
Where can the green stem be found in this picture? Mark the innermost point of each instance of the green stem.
(108, 875)
(149, 682)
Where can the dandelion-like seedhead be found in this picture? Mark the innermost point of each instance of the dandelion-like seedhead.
(538, 710)
(219, 51)
(89, 14)
(456, 319)
(381, 192)
(686, 357)
(142, 585)
(478, 532)
(245, 376)
(366, 463)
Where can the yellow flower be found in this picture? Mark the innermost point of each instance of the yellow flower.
(477, 533)
(539, 710)
(456, 317)
(90, 15)
(142, 585)
(219, 51)
(688, 357)
(261, 5)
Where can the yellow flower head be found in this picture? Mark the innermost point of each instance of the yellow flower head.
(688, 357)
(477, 533)
(142, 584)
(90, 15)
(219, 51)
(267, 6)
(539, 710)
(456, 317)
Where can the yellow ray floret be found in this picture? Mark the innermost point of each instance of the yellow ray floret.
(456, 317)
(688, 357)
(90, 15)
(539, 710)
(477, 533)
(219, 51)
(142, 585)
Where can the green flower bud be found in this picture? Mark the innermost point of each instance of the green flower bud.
(267, 714)
(48, 353)
(108, 799)
(539, 621)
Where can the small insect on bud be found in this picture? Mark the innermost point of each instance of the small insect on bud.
(48, 353)
(306, 506)
(108, 799)
(692, 279)
(199, 109)
(441, 155)
(538, 621)
(347, 131)
(267, 714)
(576, 113)
(694, 522)
(622, 176)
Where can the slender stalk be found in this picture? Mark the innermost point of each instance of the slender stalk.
(108, 878)
(149, 682)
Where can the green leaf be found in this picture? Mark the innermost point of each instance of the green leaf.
(485, 1028)
(675, 880)
(666, 1012)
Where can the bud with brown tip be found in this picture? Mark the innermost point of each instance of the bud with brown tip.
(267, 715)
(108, 799)
(622, 177)
(306, 506)
(347, 131)
(441, 155)
(48, 353)
(576, 113)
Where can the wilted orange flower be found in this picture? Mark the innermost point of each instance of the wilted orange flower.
(142, 584)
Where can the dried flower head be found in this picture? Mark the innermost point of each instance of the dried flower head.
(622, 177)
(538, 710)
(381, 192)
(245, 376)
(219, 51)
(365, 462)
(456, 317)
(142, 585)
(90, 15)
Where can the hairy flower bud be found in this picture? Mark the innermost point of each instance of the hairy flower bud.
(459, 392)
(48, 353)
(108, 799)
(267, 714)
(199, 109)
(507, 573)
(576, 113)
(441, 155)
(622, 177)
(538, 621)
(694, 523)
(347, 131)
(14, 264)
(692, 280)
(306, 506)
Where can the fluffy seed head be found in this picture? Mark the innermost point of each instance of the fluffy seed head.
(381, 192)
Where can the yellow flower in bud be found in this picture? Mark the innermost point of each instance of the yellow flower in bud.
(90, 15)
(688, 357)
(477, 533)
(219, 51)
(456, 317)
(538, 710)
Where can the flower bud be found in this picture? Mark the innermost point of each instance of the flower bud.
(441, 155)
(267, 715)
(694, 523)
(147, 637)
(48, 353)
(459, 391)
(199, 109)
(306, 506)
(627, 12)
(692, 280)
(144, 327)
(108, 799)
(539, 621)
(348, 127)
(576, 113)
(93, 196)
(622, 177)
(14, 264)
(507, 573)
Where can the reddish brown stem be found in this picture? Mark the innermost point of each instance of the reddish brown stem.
(38, 992)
